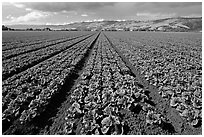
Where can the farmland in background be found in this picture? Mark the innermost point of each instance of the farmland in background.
(135, 83)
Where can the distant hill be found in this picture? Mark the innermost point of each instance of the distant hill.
(179, 24)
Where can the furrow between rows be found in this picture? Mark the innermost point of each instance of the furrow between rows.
(19, 64)
(27, 124)
(26, 49)
(160, 104)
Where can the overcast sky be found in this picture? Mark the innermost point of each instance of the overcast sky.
(68, 12)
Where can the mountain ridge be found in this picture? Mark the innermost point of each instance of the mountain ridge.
(180, 24)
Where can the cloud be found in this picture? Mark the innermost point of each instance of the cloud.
(168, 5)
(95, 20)
(181, 8)
(32, 16)
(84, 15)
(48, 23)
(121, 7)
(155, 15)
(9, 17)
(18, 5)
(66, 6)
(28, 9)
(176, 4)
(81, 11)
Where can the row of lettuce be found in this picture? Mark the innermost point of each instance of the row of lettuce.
(106, 89)
(21, 62)
(26, 95)
(19, 49)
(12, 40)
(171, 63)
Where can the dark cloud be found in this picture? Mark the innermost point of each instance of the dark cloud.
(166, 5)
(67, 6)
(75, 11)
(179, 8)
(118, 8)
(175, 4)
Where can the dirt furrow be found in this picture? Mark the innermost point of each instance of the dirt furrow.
(39, 48)
(45, 119)
(36, 42)
(19, 70)
(176, 122)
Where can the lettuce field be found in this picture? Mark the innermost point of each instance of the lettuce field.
(101, 83)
